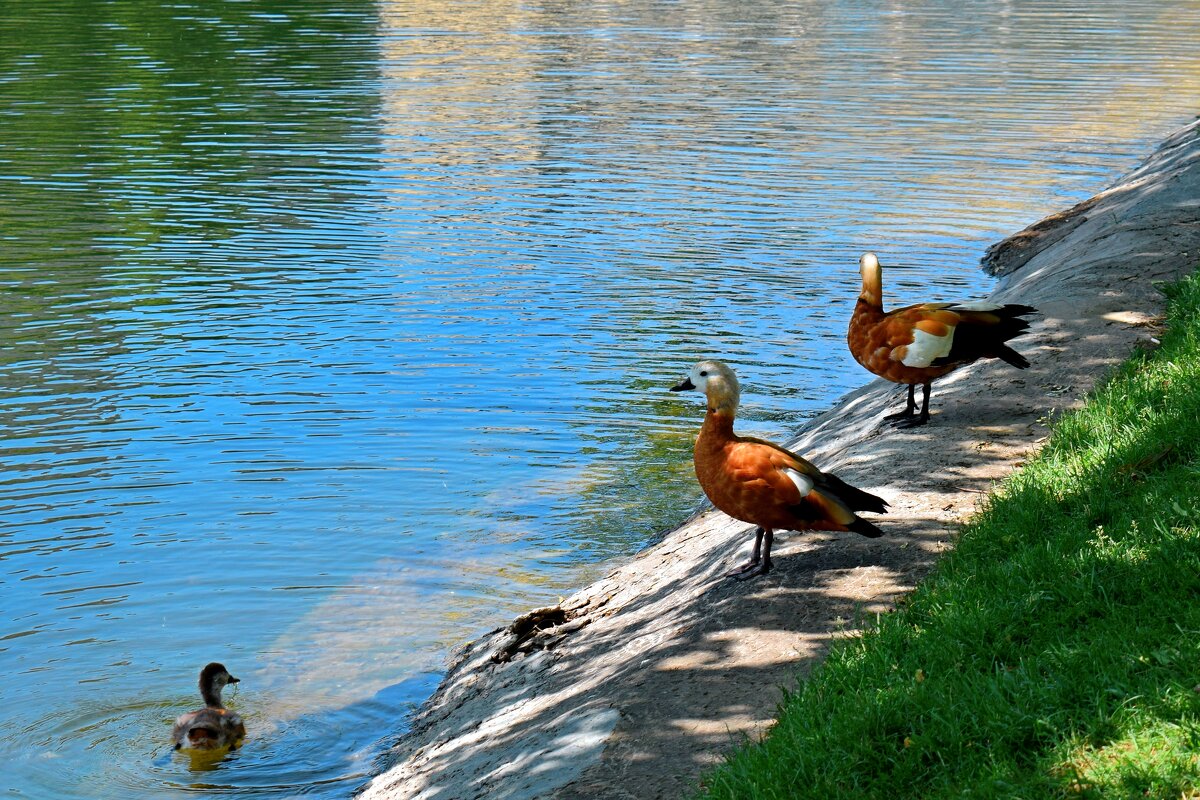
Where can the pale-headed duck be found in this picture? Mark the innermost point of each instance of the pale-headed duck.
(761, 483)
(918, 343)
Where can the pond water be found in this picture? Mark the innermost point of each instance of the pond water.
(335, 333)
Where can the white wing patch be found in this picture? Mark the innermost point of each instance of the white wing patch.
(927, 348)
(976, 306)
(804, 483)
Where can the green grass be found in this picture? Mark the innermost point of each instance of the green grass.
(1056, 651)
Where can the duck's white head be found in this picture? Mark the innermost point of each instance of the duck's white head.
(872, 279)
(717, 381)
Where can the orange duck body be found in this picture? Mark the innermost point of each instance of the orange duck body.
(916, 344)
(761, 483)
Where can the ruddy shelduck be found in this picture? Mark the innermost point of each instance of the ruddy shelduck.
(919, 343)
(213, 727)
(761, 483)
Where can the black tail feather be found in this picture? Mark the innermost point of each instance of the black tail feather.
(977, 339)
(864, 528)
(854, 498)
(1010, 356)
(1017, 310)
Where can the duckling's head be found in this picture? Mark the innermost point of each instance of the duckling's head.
(718, 383)
(872, 278)
(213, 678)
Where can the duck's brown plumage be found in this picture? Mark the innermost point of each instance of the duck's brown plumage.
(919, 343)
(764, 484)
(213, 727)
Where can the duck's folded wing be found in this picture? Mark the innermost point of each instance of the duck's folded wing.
(806, 477)
(920, 335)
(776, 476)
(790, 477)
(778, 457)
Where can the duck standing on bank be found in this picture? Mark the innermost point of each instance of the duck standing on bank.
(918, 343)
(213, 727)
(763, 484)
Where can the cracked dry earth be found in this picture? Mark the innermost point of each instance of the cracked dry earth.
(634, 685)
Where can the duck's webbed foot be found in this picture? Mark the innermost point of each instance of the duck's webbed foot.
(751, 569)
(760, 559)
(910, 408)
(912, 421)
(744, 569)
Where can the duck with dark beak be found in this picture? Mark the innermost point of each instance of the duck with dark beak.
(762, 483)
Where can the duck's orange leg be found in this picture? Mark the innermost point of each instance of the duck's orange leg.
(760, 559)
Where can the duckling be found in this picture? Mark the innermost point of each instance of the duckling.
(918, 343)
(763, 484)
(214, 726)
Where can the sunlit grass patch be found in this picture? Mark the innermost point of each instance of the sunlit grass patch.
(1159, 760)
(1056, 651)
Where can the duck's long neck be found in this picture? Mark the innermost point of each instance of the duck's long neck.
(212, 696)
(872, 289)
(717, 428)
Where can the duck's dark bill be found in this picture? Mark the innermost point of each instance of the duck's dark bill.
(683, 385)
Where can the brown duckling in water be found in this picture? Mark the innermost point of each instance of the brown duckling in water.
(213, 727)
